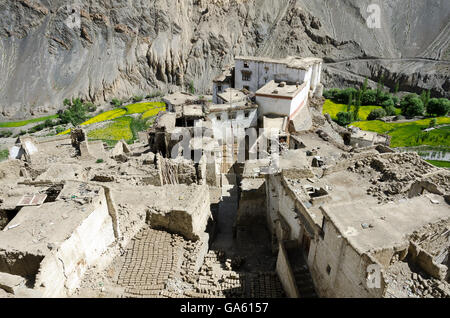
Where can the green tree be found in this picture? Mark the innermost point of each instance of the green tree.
(343, 95)
(59, 130)
(388, 103)
(75, 113)
(331, 93)
(90, 107)
(356, 112)
(380, 86)
(377, 114)
(397, 87)
(396, 101)
(138, 99)
(438, 107)
(116, 102)
(406, 101)
(349, 102)
(344, 118)
(369, 97)
(413, 108)
(48, 123)
(390, 111)
(433, 122)
(365, 85)
(359, 97)
(425, 97)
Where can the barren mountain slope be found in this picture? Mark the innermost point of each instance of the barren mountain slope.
(100, 49)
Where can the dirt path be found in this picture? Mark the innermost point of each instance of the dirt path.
(227, 214)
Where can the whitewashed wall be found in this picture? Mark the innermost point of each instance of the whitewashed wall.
(217, 91)
(268, 105)
(241, 122)
(302, 97)
(263, 72)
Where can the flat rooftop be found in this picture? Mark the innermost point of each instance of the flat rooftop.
(366, 222)
(290, 61)
(226, 73)
(179, 98)
(280, 89)
(35, 227)
(253, 168)
(390, 224)
(166, 120)
(179, 197)
(232, 95)
(216, 108)
(193, 111)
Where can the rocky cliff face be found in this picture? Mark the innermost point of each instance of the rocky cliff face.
(100, 49)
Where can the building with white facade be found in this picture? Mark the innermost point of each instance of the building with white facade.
(282, 87)
(230, 96)
(222, 82)
(235, 117)
(252, 73)
(279, 98)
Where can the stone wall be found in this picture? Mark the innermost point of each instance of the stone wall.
(286, 274)
(61, 272)
(338, 270)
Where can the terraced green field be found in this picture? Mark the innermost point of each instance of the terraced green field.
(120, 127)
(117, 130)
(410, 134)
(440, 164)
(152, 108)
(332, 108)
(14, 124)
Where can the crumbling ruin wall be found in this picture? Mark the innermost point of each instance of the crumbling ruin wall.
(339, 270)
(386, 256)
(190, 221)
(427, 262)
(21, 264)
(62, 270)
(61, 172)
(176, 171)
(10, 170)
(77, 136)
(345, 162)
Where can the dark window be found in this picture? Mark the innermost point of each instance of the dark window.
(246, 65)
(322, 232)
(328, 269)
(246, 114)
(246, 76)
(219, 88)
(219, 117)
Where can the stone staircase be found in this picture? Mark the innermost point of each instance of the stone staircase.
(303, 279)
(304, 283)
